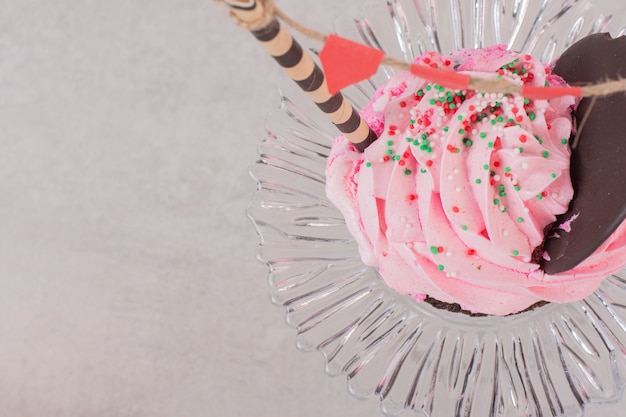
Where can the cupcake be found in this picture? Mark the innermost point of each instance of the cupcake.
(453, 201)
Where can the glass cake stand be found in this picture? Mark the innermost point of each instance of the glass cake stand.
(551, 361)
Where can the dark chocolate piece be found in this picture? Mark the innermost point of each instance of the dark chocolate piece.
(598, 156)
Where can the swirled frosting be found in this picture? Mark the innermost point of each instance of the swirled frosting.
(453, 198)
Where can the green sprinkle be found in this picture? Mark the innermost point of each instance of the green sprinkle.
(517, 188)
(389, 151)
(496, 201)
(424, 136)
(368, 164)
(482, 135)
(478, 181)
(461, 131)
(545, 154)
(420, 93)
(490, 145)
(389, 142)
(407, 172)
(459, 117)
(526, 101)
(500, 119)
(486, 167)
(521, 149)
(502, 194)
(467, 142)
(520, 220)
(464, 227)
(539, 197)
(416, 142)
(434, 250)
(531, 116)
(397, 157)
(407, 139)
(446, 128)
(440, 267)
(428, 87)
(507, 169)
(452, 106)
(553, 175)
(423, 171)
(493, 122)
(564, 141)
(432, 101)
(515, 252)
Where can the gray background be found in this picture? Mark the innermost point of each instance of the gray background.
(128, 279)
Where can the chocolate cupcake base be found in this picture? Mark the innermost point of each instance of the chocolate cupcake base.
(456, 308)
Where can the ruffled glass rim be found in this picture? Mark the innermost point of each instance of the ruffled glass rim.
(552, 360)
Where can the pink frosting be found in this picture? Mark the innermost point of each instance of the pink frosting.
(453, 198)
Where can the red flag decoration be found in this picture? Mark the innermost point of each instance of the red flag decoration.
(346, 62)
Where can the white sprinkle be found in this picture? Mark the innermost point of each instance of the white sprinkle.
(526, 209)
(516, 150)
(505, 232)
(450, 177)
(524, 165)
(458, 189)
(453, 274)
(496, 177)
(555, 195)
(402, 219)
(456, 170)
(448, 254)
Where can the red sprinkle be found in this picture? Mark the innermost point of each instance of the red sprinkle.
(471, 252)
(412, 197)
(455, 209)
(402, 104)
(429, 163)
(523, 138)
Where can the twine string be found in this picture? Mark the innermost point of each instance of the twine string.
(271, 11)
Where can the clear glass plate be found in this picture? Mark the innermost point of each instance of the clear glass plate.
(551, 361)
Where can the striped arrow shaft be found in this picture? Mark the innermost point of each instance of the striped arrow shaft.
(301, 68)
